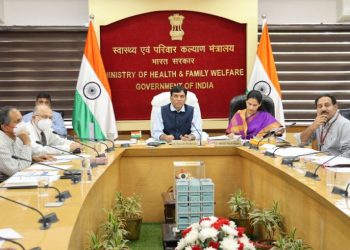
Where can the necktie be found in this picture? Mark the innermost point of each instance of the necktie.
(43, 138)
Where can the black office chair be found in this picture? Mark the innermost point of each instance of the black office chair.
(345, 113)
(238, 103)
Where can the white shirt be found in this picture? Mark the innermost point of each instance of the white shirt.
(158, 125)
(336, 135)
(9, 147)
(51, 139)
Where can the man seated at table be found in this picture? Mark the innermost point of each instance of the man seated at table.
(330, 129)
(40, 131)
(175, 120)
(57, 120)
(14, 140)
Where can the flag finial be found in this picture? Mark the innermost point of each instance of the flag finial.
(92, 17)
(263, 16)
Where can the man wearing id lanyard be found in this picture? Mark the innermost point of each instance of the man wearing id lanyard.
(330, 128)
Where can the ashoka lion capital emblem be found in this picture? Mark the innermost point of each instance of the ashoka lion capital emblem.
(176, 32)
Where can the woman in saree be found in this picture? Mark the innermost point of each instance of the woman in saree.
(251, 122)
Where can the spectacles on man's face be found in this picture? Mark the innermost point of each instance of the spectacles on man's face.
(45, 116)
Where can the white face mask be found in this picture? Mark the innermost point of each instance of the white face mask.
(19, 128)
(44, 124)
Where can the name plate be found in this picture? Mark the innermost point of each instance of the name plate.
(234, 143)
(183, 143)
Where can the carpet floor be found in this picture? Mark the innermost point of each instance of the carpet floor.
(150, 238)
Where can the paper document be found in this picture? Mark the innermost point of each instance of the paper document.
(42, 167)
(9, 233)
(30, 178)
(339, 170)
(337, 161)
(291, 151)
(67, 157)
(219, 137)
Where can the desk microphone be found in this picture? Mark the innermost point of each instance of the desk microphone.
(107, 150)
(45, 220)
(314, 174)
(74, 177)
(61, 196)
(200, 134)
(269, 134)
(98, 155)
(338, 190)
(289, 160)
(273, 131)
(67, 152)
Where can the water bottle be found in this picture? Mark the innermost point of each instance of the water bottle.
(86, 173)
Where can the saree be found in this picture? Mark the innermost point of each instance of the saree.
(255, 125)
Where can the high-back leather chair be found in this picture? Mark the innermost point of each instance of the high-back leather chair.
(345, 113)
(238, 103)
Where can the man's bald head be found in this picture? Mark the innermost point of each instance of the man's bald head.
(42, 111)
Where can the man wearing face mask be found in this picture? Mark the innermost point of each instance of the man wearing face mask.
(330, 128)
(40, 130)
(14, 140)
(57, 120)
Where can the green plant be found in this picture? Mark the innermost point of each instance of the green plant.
(289, 242)
(114, 233)
(95, 242)
(127, 207)
(270, 219)
(240, 205)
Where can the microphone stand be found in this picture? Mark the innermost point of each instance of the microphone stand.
(314, 174)
(45, 220)
(200, 134)
(61, 196)
(98, 155)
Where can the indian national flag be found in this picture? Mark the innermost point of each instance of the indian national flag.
(264, 75)
(93, 114)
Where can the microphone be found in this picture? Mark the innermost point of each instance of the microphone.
(45, 220)
(289, 160)
(98, 155)
(61, 196)
(67, 152)
(340, 191)
(314, 174)
(200, 134)
(273, 131)
(74, 177)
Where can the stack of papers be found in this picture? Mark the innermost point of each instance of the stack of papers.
(336, 162)
(9, 233)
(30, 178)
(291, 151)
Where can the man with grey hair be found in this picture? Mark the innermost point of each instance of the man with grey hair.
(40, 131)
(14, 140)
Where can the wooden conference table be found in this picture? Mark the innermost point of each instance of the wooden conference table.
(322, 219)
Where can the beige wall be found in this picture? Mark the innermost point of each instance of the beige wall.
(243, 11)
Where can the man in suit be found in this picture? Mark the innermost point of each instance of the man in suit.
(175, 120)
(330, 129)
(57, 120)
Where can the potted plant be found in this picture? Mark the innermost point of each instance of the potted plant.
(289, 242)
(271, 221)
(129, 209)
(241, 207)
(112, 235)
